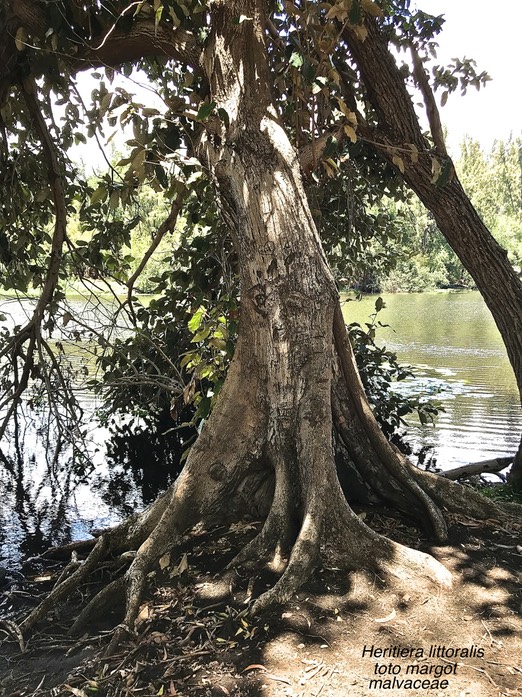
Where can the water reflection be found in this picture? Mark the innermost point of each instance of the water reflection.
(60, 479)
(460, 359)
(54, 491)
(143, 459)
(116, 471)
(45, 487)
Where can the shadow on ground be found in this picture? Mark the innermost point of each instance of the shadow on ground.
(343, 634)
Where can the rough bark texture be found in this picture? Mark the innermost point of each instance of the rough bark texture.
(459, 222)
(292, 391)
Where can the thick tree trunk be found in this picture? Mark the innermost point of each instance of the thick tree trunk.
(456, 218)
(292, 389)
(288, 301)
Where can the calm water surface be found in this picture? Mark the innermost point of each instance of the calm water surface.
(452, 342)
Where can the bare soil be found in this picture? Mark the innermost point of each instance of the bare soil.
(195, 637)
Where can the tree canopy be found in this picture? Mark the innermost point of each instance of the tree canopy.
(284, 125)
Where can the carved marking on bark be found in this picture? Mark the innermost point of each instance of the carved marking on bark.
(218, 471)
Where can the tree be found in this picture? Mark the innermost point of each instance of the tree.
(292, 391)
(398, 131)
(492, 181)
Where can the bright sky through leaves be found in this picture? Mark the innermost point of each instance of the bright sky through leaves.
(489, 33)
(473, 29)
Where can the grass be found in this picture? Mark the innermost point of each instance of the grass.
(502, 492)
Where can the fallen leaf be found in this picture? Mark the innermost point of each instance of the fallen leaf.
(278, 678)
(389, 617)
(76, 691)
(164, 561)
(181, 567)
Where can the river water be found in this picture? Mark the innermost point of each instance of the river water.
(448, 338)
(451, 340)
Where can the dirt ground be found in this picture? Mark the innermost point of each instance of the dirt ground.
(342, 635)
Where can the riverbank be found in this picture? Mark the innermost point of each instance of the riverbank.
(449, 338)
(196, 639)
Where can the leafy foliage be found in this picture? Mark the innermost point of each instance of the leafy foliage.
(59, 227)
(379, 369)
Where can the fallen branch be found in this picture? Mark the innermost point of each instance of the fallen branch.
(495, 465)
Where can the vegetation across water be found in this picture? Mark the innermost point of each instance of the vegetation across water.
(283, 126)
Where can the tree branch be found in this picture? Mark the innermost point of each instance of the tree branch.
(31, 331)
(56, 183)
(432, 110)
(167, 226)
(310, 154)
(112, 46)
(495, 465)
(384, 85)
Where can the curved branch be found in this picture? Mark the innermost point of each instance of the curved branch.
(167, 225)
(144, 39)
(31, 331)
(432, 111)
(57, 186)
(56, 182)
(114, 46)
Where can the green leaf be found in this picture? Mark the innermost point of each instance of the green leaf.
(187, 358)
(223, 115)
(114, 200)
(296, 60)
(200, 336)
(196, 319)
(99, 195)
(205, 110)
(331, 147)
(354, 15)
(157, 16)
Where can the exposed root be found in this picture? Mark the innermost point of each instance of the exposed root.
(302, 563)
(458, 498)
(68, 585)
(274, 541)
(122, 538)
(386, 454)
(165, 535)
(307, 498)
(262, 551)
(410, 565)
(365, 548)
(109, 597)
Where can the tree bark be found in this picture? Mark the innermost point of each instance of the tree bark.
(398, 129)
(473, 468)
(292, 389)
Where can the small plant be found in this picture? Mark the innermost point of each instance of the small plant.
(379, 369)
(502, 492)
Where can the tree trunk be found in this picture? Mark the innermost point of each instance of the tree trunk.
(458, 221)
(292, 389)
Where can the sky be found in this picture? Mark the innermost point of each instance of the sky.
(473, 29)
(491, 34)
